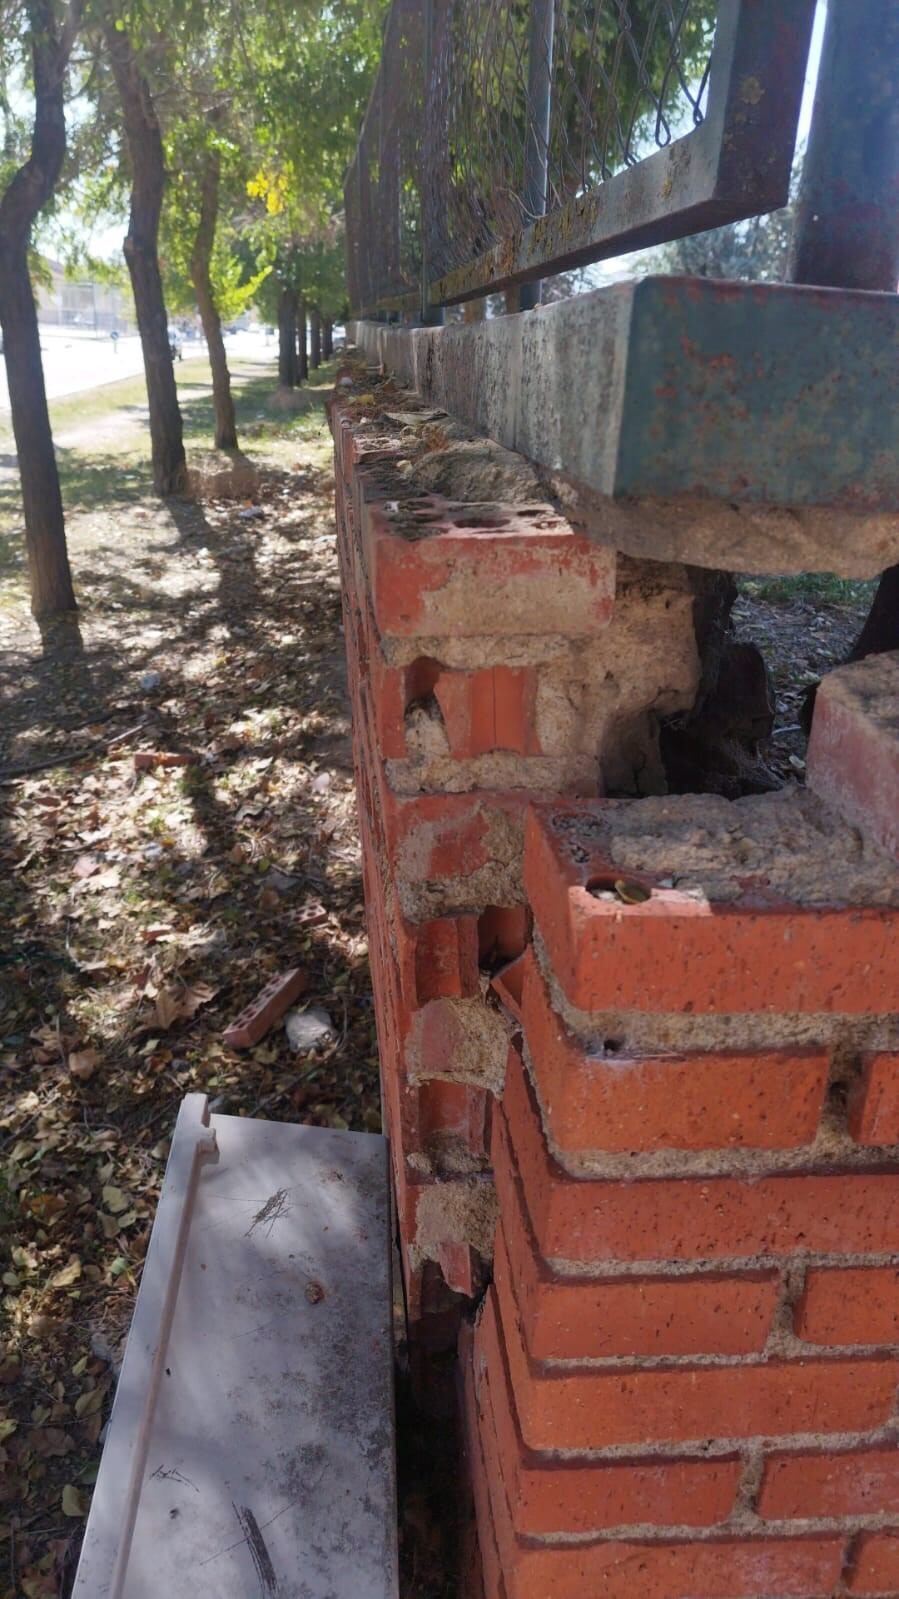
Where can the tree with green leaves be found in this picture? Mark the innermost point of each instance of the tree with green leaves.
(200, 231)
(36, 38)
(304, 75)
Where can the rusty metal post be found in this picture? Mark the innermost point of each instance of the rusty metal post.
(431, 315)
(846, 233)
(541, 28)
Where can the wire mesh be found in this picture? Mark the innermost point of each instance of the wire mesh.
(383, 206)
(488, 114)
(626, 77)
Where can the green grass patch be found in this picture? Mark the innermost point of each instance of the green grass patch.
(820, 588)
(103, 441)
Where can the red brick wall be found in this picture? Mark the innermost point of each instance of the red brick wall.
(648, 1134)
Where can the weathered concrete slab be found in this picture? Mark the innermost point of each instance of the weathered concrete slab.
(250, 1449)
(754, 426)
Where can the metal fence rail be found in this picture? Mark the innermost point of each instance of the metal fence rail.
(508, 139)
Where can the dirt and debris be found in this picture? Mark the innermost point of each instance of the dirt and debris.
(143, 903)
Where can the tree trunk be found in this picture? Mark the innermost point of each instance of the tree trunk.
(26, 194)
(222, 399)
(144, 139)
(315, 330)
(287, 338)
(45, 534)
(327, 337)
(302, 343)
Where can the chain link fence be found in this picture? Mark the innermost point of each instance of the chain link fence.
(506, 139)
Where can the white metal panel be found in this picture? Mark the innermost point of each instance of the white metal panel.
(250, 1450)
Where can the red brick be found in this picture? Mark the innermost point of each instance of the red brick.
(849, 1305)
(146, 760)
(623, 1103)
(506, 985)
(673, 953)
(853, 753)
(875, 1566)
(387, 686)
(521, 577)
(452, 1110)
(438, 958)
(859, 1482)
(874, 1101)
(503, 933)
(584, 1318)
(571, 1497)
(490, 709)
(429, 838)
(254, 1020)
(696, 1218)
(717, 1568)
(722, 1568)
(590, 1408)
(494, 1584)
(458, 1263)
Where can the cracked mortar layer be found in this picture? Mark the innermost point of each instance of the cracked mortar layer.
(454, 1213)
(718, 1448)
(480, 1042)
(496, 882)
(539, 774)
(790, 843)
(600, 697)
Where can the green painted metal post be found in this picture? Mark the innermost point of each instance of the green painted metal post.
(846, 233)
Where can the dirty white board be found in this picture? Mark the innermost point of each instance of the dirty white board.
(250, 1453)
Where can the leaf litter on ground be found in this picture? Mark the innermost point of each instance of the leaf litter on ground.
(143, 905)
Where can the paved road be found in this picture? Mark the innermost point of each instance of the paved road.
(73, 363)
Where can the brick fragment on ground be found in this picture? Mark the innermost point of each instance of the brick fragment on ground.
(270, 1003)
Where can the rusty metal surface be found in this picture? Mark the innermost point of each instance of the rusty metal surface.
(762, 393)
(847, 216)
(652, 133)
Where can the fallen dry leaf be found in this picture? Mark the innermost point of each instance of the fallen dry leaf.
(71, 1501)
(83, 1063)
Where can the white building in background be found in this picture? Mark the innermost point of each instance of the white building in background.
(83, 306)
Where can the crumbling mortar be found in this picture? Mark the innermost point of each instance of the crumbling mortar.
(781, 1337)
(785, 1351)
(538, 774)
(744, 1510)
